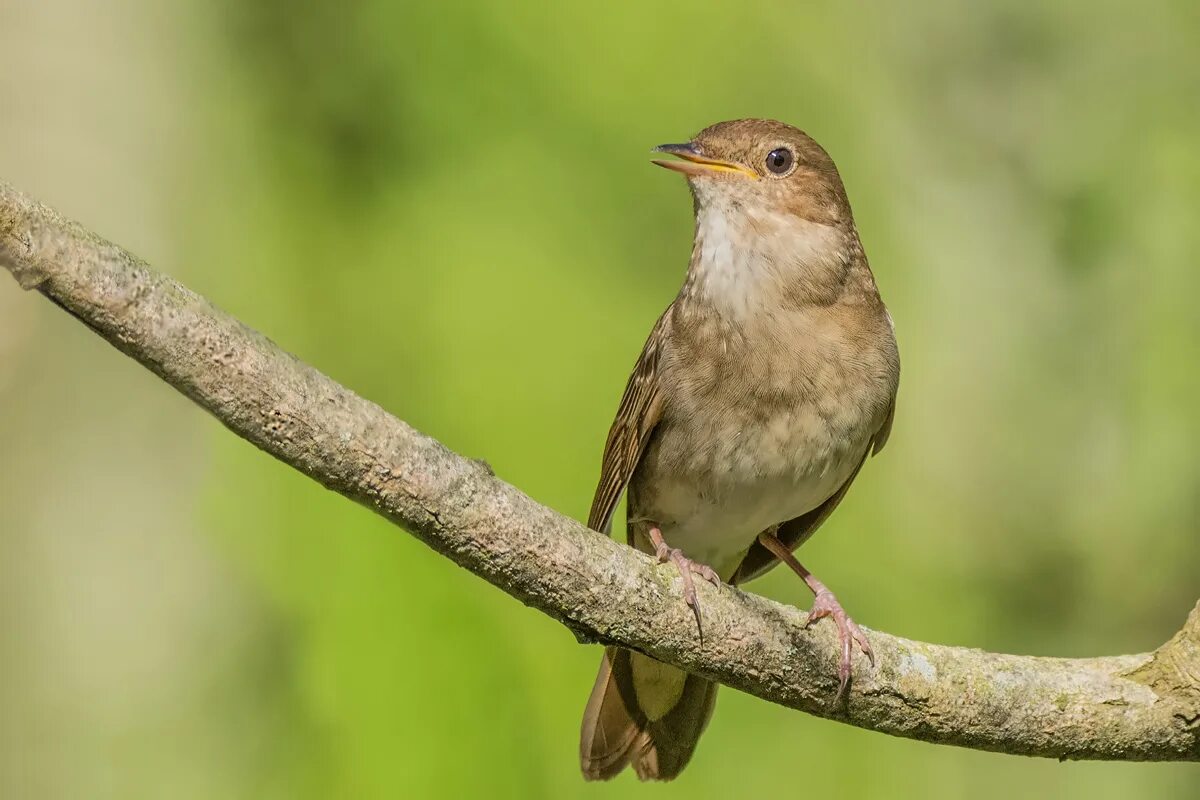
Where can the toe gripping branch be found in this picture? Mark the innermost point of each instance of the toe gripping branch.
(687, 568)
(825, 604)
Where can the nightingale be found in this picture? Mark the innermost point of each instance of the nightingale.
(759, 394)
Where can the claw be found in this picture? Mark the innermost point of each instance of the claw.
(826, 605)
(708, 573)
(664, 553)
(863, 644)
(689, 587)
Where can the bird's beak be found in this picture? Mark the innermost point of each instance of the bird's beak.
(694, 163)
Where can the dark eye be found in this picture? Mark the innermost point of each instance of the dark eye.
(780, 160)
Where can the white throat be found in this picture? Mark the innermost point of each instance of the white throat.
(744, 257)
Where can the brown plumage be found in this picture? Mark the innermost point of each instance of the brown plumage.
(759, 394)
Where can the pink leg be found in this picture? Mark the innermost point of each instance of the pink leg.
(824, 605)
(686, 567)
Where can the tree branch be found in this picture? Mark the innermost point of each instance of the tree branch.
(1137, 707)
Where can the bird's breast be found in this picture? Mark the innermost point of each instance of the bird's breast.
(757, 432)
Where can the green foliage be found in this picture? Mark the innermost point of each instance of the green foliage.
(474, 240)
(448, 207)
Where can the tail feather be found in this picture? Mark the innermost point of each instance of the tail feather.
(609, 734)
(616, 731)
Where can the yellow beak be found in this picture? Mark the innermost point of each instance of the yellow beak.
(694, 163)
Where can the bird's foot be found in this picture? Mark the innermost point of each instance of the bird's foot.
(687, 568)
(826, 605)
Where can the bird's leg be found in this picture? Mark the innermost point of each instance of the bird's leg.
(824, 605)
(664, 553)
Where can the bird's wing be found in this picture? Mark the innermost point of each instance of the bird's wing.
(639, 412)
(885, 430)
(796, 532)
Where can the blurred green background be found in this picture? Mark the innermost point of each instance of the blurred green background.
(448, 207)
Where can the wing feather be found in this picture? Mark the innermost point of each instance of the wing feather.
(637, 415)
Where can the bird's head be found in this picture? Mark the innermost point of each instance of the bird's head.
(772, 220)
(761, 169)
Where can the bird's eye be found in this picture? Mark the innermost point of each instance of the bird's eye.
(780, 160)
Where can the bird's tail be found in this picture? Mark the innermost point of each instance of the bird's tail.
(645, 713)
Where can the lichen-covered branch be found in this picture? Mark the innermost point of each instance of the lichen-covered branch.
(1138, 707)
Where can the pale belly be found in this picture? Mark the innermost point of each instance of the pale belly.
(760, 425)
(712, 503)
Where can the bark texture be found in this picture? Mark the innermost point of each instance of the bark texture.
(1134, 707)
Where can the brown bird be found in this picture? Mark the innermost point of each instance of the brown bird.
(761, 391)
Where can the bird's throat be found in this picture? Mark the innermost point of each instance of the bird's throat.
(747, 261)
